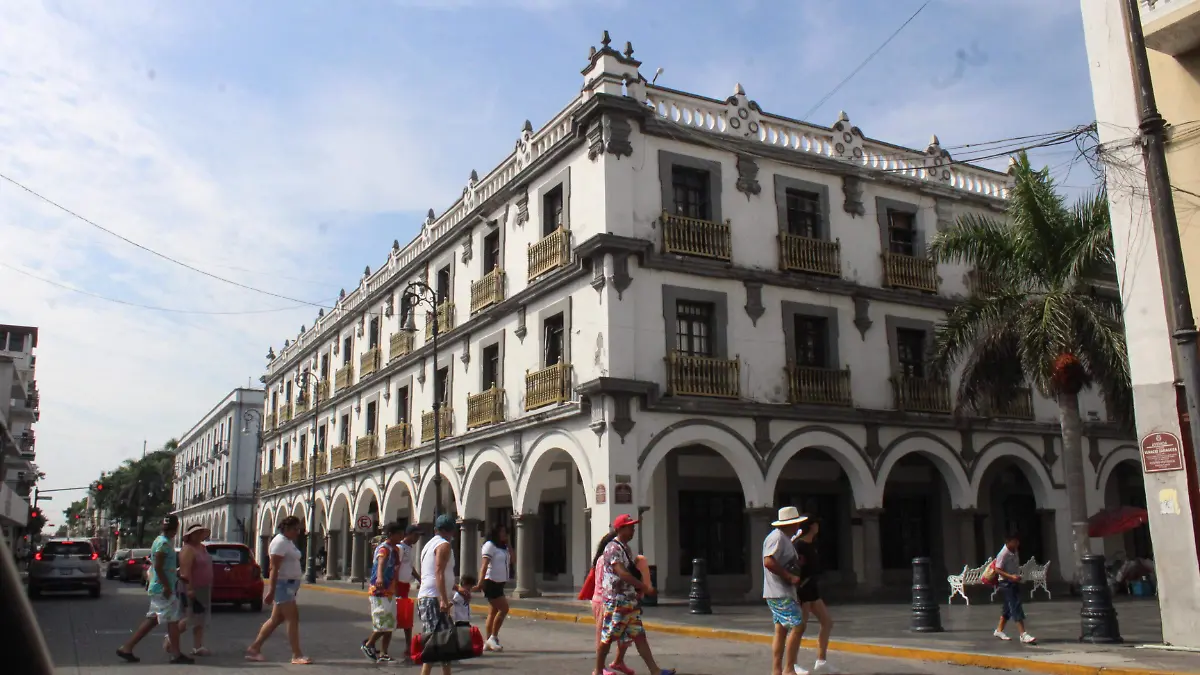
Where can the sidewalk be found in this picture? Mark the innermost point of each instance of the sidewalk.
(882, 630)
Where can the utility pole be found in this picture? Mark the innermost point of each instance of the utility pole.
(143, 449)
(1166, 228)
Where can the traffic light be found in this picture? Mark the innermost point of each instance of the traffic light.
(34, 513)
(98, 486)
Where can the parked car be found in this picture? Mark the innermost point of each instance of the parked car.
(135, 565)
(237, 578)
(112, 569)
(65, 565)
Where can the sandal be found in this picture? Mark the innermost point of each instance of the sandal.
(201, 651)
(301, 661)
(621, 669)
(256, 657)
(128, 656)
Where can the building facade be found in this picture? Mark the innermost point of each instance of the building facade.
(216, 467)
(20, 409)
(684, 308)
(1172, 33)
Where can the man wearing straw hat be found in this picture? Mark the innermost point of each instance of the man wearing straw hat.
(779, 589)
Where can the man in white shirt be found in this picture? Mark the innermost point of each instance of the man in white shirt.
(780, 579)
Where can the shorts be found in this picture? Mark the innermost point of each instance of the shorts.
(383, 613)
(598, 617)
(493, 589)
(810, 591)
(785, 612)
(199, 608)
(286, 591)
(164, 609)
(622, 621)
(433, 619)
(1013, 609)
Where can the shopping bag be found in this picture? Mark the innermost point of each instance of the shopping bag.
(989, 576)
(589, 585)
(404, 613)
(452, 644)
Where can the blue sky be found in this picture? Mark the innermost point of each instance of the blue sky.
(286, 144)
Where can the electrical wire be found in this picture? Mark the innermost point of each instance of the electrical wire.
(139, 305)
(147, 249)
(867, 60)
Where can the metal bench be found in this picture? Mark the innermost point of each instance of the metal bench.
(970, 576)
(1035, 574)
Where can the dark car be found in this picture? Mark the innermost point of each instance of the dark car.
(237, 579)
(134, 567)
(65, 565)
(112, 568)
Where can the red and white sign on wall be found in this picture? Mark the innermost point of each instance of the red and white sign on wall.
(364, 523)
(1161, 451)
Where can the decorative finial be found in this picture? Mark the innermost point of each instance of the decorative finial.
(629, 50)
(270, 353)
(342, 294)
(320, 312)
(430, 215)
(605, 40)
(302, 329)
(933, 140)
(367, 271)
(843, 117)
(395, 244)
(528, 126)
(738, 90)
(286, 343)
(591, 53)
(474, 176)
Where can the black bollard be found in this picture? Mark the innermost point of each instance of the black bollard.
(1098, 617)
(926, 614)
(698, 599)
(652, 600)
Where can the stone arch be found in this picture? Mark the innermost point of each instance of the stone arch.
(555, 441)
(715, 436)
(366, 490)
(300, 510)
(427, 497)
(1026, 459)
(322, 506)
(486, 462)
(339, 510)
(943, 457)
(266, 520)
(1121, 453)
(838, 447)
(401, 492)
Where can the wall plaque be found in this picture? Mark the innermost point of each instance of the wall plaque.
(1161, 451)
(623, 494)
(601, 493)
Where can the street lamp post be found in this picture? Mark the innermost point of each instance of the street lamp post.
(305, 379)
(255, 416)
(420, 293)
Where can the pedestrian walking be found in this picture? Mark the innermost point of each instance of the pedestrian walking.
(461, 602)
(780, 578)
(196, 573)
(1008, 568)
(406, 573)
(382, 594)
(808, 593)
(282, 589)
(163, 589)
(437, 583)
(594, 589)
(622, 619)
(493, 575)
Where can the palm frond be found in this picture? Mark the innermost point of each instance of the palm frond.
(976, 240)
(1089, 252)
(975, 315)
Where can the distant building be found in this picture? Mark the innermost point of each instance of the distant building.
(19, 410)
(216, 466)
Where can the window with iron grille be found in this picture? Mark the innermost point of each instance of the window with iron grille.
(910, 352)
(803, 213)
(902, 232)
(811, 334)
(690, 190)
(694, 328)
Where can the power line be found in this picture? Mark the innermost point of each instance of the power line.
(138, 305)
(862, 65)
(168, 258)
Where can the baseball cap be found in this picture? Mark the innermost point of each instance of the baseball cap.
(624, 520)
(445, 523)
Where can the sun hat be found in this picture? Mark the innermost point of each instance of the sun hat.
(624, 520)
(194, 528)
(788, 515)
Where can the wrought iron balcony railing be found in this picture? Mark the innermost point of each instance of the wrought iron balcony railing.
(344, 377)
(445, 424)
(339, 457)
(921, 394)
(906, 271)
(401, 344)
(550, 253)
(814, 256)
(397, 438)
(366, 448)
(548, 386)
(485, 408)
(368, 363)
(695, 237)
(824, 386)
(689, 375)
(487, 291)
(445, 319)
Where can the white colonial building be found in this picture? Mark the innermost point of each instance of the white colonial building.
(20, 409)
(685, 308)
(216, 467)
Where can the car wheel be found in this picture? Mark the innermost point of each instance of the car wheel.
(256, 606)
(94, 592)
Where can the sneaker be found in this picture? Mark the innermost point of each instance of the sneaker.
(493, 644)
(800, 670)
(383, 658)
(822, 666)
(181, 659)
(1001, 634)
(1027, 639)
(369, 651)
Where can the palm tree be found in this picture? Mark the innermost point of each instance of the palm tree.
(1034, 317)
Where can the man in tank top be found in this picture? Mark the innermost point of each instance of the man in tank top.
(437, 582)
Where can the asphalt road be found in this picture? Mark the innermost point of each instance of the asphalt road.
(83, 634)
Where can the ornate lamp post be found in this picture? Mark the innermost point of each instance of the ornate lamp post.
(249, 417)
(420, 293)
(307, 378)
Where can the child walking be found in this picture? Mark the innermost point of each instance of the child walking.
(461, 602)
(1008, 569)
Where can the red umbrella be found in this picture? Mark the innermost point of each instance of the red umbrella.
(1119, 520)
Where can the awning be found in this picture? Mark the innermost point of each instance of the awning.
(1119, 520)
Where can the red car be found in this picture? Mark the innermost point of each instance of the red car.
(237, 579)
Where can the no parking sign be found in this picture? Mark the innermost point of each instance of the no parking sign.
(365, 523)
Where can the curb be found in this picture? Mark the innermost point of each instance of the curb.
(909, 653)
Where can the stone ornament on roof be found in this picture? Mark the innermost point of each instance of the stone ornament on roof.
(470, 197)
(847, 139)
(524, 147)
(937, 161)
(743, 117)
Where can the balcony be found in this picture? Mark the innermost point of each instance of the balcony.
(485, 408)
(982, 283)
(812, 256)
(297, 472)
(1019, 407)
(445, 319)
(689, 375)
(906, 271)
(396, 438)
(368, 363)
(921, 394)
(280, 476)
(487, 291)
(366, 448)
(339, 457)
(344, 377)
(401, 345)
(821, 386)
(285, 413)
(323, 389)
(548, 386)
(266, 481)
(549, 254)
(445, 424)
(269, 422)
(695, 237)
(302, 405)
(322, 463)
